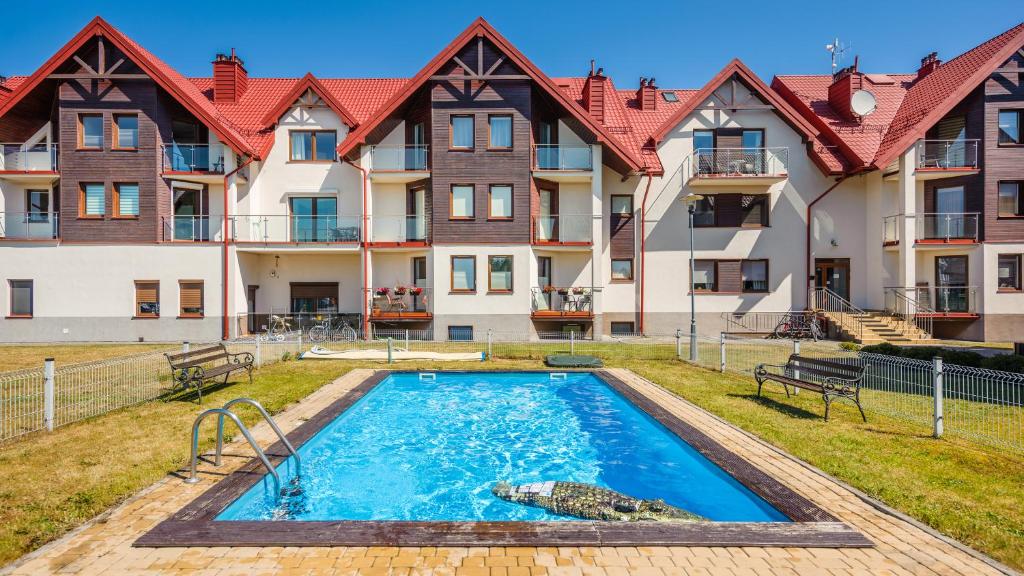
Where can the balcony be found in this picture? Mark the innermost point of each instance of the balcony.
(399, 164)
(191, 228)
(563, 230)
(562, 303)
(934, 229)
(747, 167)
(29, 226)
(563, 163)
(193, 162)
(36, 163)
(935, 159)
(401, 304)
(297, 230)
(399, 230)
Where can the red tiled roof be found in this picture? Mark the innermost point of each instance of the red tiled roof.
(936, 94)
(845, 144)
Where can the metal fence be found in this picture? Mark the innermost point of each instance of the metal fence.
(986, 406)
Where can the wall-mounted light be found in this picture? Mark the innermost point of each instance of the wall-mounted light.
(834, 243)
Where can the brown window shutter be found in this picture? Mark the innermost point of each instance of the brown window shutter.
(729, 210)
(729, 276)
(191, 298)
(147, 293)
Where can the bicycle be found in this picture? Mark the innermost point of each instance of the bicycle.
(325, 331)
(279, 327)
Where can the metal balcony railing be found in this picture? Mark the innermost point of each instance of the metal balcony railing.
(947, 227)
(947, 154)
(294, 228)
(28, 158)
(741, 162)
(192, 228)
(179, 157)
(399, 158)
(400, 301)
(29, 226)
(559, 157)
(556, 301)
(399, 228)
(563, 228)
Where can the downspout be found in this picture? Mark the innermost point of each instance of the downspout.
(225, 327)
(362, 234)
(807, 257)
(643, 248)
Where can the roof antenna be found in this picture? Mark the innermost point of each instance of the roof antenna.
(838, 50)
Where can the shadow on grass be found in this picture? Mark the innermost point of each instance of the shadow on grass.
(787, 409)
(192, 395)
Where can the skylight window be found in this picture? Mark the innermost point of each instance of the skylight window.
(670, 96)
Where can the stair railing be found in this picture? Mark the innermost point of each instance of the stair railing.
(908, 311)
(850, 317)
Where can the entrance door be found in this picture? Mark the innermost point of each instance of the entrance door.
(951, 291)
(834, 274)
(419, 280)
(190, 222)
(544, 279)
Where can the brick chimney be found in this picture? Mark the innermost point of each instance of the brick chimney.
(844, 84)
(646, 95)
(928, 65)
(593, 93)
(230, 79)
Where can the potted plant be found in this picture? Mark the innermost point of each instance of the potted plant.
(416, 290)
(400, 290)
(548, 289)
(579, 290)
(383, 291)
(563, 291)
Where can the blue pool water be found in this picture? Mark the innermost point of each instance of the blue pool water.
(432, 450)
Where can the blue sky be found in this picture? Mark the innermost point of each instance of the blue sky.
(682, 43)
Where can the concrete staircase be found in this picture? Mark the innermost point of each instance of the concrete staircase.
(873, 327)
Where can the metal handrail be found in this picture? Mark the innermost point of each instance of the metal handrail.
(193, 477)
(269, 420)
(826, 300)
(909, 311)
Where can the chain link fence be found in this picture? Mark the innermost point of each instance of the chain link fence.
(983, 405)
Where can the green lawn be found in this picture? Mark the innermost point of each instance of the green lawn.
(970, 493)
(21, 356)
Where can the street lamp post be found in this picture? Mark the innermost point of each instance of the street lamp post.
(691, 207)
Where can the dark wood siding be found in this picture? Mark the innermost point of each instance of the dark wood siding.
(1001, 162)
(973, 111)
(480, 166)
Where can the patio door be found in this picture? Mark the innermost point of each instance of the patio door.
(545, 277)
(313, 219)
(416, 219)
(190, 221)
(419, 280)
(834, 274)
(547, 221)
(951, 284)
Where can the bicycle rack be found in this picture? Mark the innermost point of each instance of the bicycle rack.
(226, 412)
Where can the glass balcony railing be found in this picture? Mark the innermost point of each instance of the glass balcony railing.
(947, 154)
(192, 228)
(399, 228)
(740, 162)
(559, 157)
(295, 229)
(29, 226)
(947, 227)
(206, 158)
(563, 228)
(26, 158)
(399, 158)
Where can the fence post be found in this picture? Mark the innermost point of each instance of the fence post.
(572, 342)
(937, 375)
(390, 360)
(796, 371)
(679, 344)
(299, 353)
(406, 339)
(721, 352)
(259, 352)
(490, 351)
(48, 393)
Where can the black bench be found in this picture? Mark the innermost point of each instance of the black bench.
(193, 368)
(831, 379)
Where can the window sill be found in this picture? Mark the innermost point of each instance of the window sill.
(621, 280)
(310, 162)
(454, 149)
(191, 317)
(1009, 291)
(1008, 217)
(462, 292)
(499, 292)
(116, 149)
(502, 149)
(19, 317)
(83, 217)
(89, 149)
(146, 317)
(502, 219)
(714, 293)
(461, 218)
(125, 217)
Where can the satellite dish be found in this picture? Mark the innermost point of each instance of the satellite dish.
(862, 102)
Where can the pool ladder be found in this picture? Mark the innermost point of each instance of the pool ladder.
(225, 412)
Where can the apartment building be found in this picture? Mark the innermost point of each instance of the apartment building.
(482, 194)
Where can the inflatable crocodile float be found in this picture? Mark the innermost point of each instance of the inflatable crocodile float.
(590, 502)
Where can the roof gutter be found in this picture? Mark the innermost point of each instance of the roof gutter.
(225, 324)
(364, 306)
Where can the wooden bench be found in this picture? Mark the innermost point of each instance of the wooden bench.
(193, 368)
(831, 379)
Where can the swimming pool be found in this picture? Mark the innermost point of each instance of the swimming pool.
(431, 449)
(407, 459)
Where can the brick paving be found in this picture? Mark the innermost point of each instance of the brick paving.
(104, 546)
